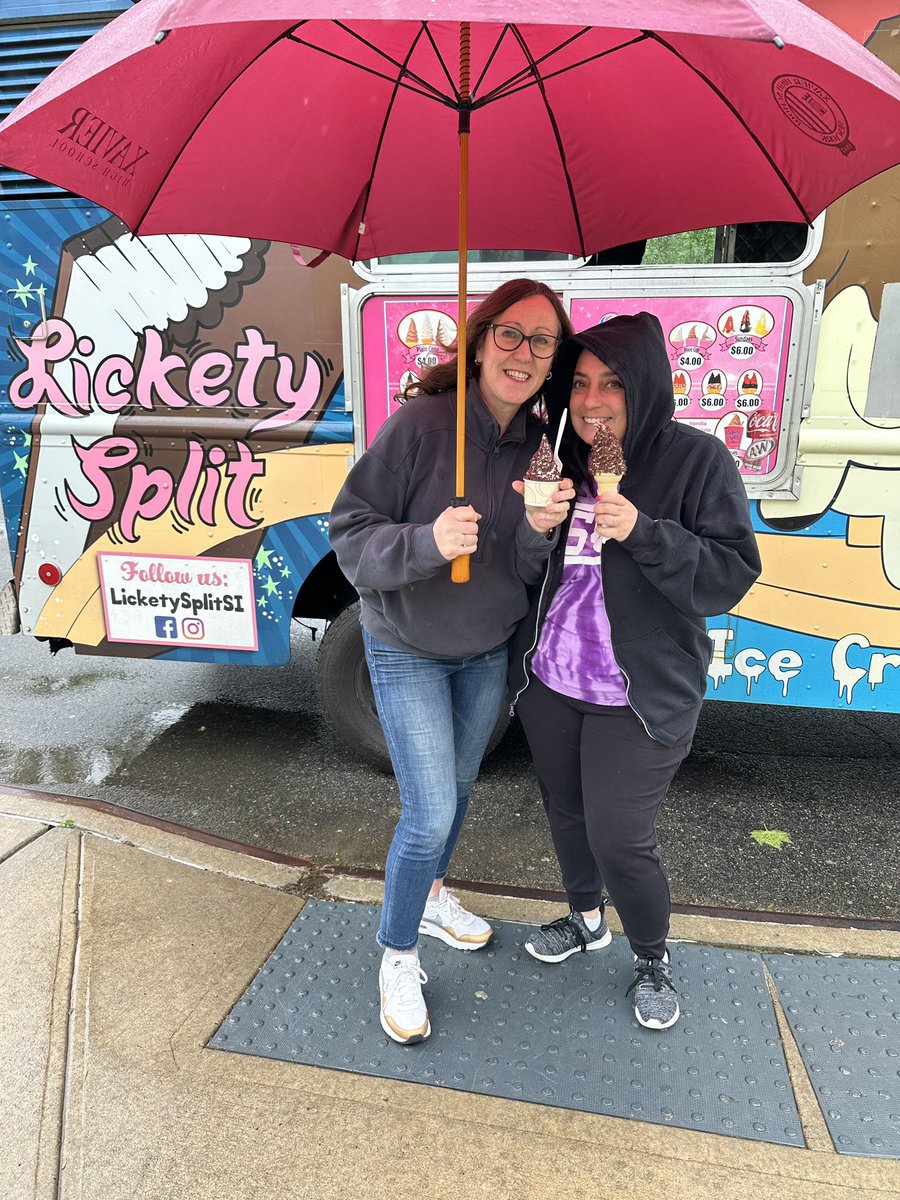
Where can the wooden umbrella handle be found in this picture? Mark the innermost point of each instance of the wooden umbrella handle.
(459, 570)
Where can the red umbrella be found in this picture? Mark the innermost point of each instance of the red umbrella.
(594, 122)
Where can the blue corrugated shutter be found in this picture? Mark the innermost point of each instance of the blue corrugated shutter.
(28, 52)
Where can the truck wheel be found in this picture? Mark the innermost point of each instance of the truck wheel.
(345, 692)
(9, 610)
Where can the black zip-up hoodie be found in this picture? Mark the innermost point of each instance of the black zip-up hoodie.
(692, 553)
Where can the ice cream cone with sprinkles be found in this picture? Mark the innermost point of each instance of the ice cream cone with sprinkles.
(605, 461)
(542, 477)
(607, 465)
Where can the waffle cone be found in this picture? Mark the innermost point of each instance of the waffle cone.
(607, 481)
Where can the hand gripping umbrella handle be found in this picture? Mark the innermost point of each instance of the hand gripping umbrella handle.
(459, 568)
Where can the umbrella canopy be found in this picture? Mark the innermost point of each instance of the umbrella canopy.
(335, 124)
(593, 123)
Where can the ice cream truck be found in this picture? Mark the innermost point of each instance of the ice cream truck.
(178, 413)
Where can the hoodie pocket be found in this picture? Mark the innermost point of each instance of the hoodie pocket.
(664, 677)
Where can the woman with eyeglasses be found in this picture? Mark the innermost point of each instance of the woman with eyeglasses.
(436, 650)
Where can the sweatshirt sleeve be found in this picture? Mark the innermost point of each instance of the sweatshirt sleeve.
(376, 549)
(532, 551)
(705, 570)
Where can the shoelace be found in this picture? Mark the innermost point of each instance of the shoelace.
(562, 923)
(455, 910)
(405, 983)
(650, 970)
(452, 911)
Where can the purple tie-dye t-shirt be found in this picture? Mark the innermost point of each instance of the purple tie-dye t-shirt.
(575, 655)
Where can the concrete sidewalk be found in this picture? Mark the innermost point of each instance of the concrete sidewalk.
(123, 947)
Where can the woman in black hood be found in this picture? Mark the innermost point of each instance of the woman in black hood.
(609, 668)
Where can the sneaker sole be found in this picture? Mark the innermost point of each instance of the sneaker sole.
(412, 1040)
(599, 944)
(657, 1024)
(437, 931)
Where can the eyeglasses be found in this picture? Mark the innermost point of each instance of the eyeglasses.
(541, 345)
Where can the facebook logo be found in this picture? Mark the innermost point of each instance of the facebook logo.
(166, 627)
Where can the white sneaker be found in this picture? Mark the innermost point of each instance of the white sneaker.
(445, 918)
(404, 1016)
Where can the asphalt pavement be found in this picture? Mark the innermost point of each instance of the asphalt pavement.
(244, 754)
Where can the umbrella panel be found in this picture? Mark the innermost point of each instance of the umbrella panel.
(236, 129)
(586, 161)
(728, 18)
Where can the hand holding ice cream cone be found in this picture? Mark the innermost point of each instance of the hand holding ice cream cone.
(554, 511)
(545, 492)
(615, 517)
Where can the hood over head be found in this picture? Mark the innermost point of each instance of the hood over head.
(635, 348)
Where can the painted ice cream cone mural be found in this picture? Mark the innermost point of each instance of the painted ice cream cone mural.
(837, 586)
(143, 332)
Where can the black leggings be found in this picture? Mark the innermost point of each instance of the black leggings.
(603, 779)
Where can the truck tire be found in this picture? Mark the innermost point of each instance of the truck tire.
(9, 610)
(345, 692)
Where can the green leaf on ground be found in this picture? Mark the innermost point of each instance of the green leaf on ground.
(771, 837)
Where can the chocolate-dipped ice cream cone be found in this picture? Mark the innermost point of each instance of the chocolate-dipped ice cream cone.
(605, 461)
(542, 477)
(606, 464)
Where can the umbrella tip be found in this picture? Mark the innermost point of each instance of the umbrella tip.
(161, 36)
(779, 44)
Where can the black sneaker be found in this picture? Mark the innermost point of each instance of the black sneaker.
(554, 942)
(655, 998)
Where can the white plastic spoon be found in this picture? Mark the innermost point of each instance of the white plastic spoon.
(559, 433)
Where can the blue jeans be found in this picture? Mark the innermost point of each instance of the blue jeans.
(437, 716)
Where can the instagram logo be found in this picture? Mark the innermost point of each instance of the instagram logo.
(193, 629)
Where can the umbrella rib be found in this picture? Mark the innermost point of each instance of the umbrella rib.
(490, 59)
(728, 104)
(520, 80)
(402, 67)
(517, 34)
(170, 168)
(432, 93)
(384, 124)
(443, 65)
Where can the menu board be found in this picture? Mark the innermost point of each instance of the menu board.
(728, 357)
(729, 361)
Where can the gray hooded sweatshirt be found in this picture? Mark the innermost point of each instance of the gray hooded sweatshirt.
(381, 529)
